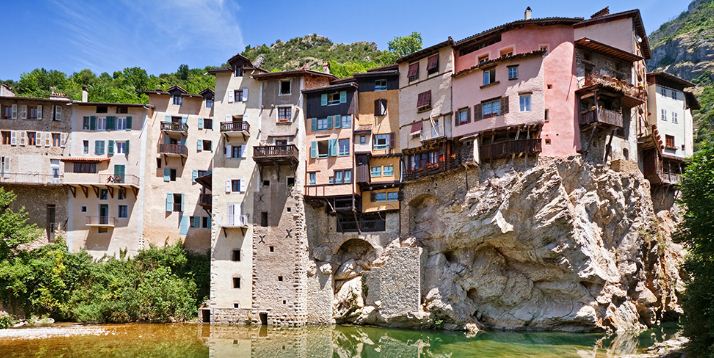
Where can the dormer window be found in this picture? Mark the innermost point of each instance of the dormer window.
(237, 71)
(177, 99)
(209, 102)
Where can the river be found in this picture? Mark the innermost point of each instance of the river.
(194, 340)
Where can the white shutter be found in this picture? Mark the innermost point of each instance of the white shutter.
(236, 214)
(48, 139)
(38, 139)
(244, 96)
(231, 209)
(230, 96)
(228, 151)
(22, 137)
(13, 137)
(228, 186)
(39, 112)
(14, 111)
(243, 150)
(23, 111)
(63, 141)
(229, 118)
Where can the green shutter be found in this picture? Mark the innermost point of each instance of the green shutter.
(323, 99)
(199, 145)
(126, 148)
(343, 96)
(85, 123)
(92, 123)
(332, 147)
(200, 122)
(329, 122)
(313, 149)
(111, 123)
(169, 201)
(337, 121)
(128, 122)
(110, 148)
(167, 174)
(314, 124)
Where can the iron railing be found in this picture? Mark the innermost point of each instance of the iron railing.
(179, 149)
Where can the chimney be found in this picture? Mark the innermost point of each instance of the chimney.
(326, 68)
(85, 94)
(527, 14)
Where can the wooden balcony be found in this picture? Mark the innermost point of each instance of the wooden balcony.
(235, 129)
(205, 201)
(173, 150)
(631, 95)
(603, 116)
(174, 128)
(275, 154)
(100, 221)
(329, 190)
(508, 148)
(427, 169)
(363, 176)
(30, 179)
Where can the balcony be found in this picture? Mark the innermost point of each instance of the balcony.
(173, 150)
(108, 180)
(426, 169)
(329, 190)
(30, 179)
(631, 95)
(601, 116)
(275, 154)
(174, 128)
(235, 129)
(100, 221)
(363, 176)
(508, 148)
(205, 201)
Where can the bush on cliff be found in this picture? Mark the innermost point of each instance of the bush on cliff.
(698, 232)
(158, 285)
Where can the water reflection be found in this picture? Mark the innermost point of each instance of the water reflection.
(183, 340)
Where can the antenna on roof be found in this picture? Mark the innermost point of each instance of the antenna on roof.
(528, 13)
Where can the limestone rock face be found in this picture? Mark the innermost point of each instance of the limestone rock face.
(563, 245)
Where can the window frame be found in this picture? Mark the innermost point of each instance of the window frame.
(331, 101)
(378, 86)
(280, 87)
(386, 137)
(289, 117)
(459, 121)
(512, 72)
(529, 102)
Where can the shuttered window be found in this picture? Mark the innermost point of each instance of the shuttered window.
(380, 107)
(413, 73)
(432, 65)
(424, 100)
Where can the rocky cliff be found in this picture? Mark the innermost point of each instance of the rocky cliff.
(561, 245)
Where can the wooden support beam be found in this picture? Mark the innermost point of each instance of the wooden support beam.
(85, 190)
(73, 190)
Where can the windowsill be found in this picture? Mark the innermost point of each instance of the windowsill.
(423, 109)
(513, 79)
(490, 84)
(284, 94)
(283, 122)
(462, 124)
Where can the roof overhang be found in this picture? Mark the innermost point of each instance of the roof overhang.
(607, 50)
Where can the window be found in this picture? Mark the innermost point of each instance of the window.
(272, 248)
(209, 102)
(84, 168)
(238, 95)
(280, 278)
(343, 147)
(237, 151)
(513, 72)
(122, 109)
(178, 202)
(102, 109)
(363, 139)
(284, 87)
(235, 185)
(84, 209)
(545, 115)
(525, 102)
(56, 141)
(205, 145)
(6, 137)
(123, 211)
(101, 123)
(482, 59)
(323, 149)
(122, 194)
(342, 176)
(385, 196)
(380, 85)
(122, 147)
(381, 141)
(208, 123)
(5, 111)
(375, 171)
(669, 142)
(507, 52)
(177, 99)
(206, 222)
(284, 114)
(172, 174)
(663, 115)
(333, 98)
(235, 255)
(463, 116)
(312, 178)
(237, 71)
(290, 181)
(424, 101)
(489, 76)
(346, 122)
(413, 73)
(323, 123)
(388, 170)
(380, 107)
(491, 108)
(264, 218)
(34, 112)
(32, 138)
(103, 194)
(99, 147)
(432, 64)
(674, 117)
(236, 282)
(195, 222)
(56, 113)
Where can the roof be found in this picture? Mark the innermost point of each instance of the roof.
(332, 87)
(292, 73)
(170, 91)
(382, 73)
(607, 50)
(636, 19)
(111, 104)
(426, 51)
(20, 98)
(207, 91)
(545, 21)
(496, 60)
(393, 66)
(239, 58)
(668, 79)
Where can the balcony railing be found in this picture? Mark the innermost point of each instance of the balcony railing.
(127, 179)
(174, 127)
(601, 115)
(173, 149)
(614, 83)
(236, 126)
(427, 168)
(101, 221)
(507, 148)
(275, 153)
(30, 178)
(670, 177)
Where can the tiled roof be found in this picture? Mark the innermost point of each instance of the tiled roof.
(518, 23)
(426, 51)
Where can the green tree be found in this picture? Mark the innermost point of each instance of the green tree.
(14, 228)
(182, 72)
(697, 231)
(404, 45)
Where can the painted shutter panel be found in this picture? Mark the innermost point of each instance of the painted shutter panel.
(13, 137)
(111, 123)
(200, 122)
(209, 221)
(199, 145)
(343, 96)
(169, 202)
(39, 112)
(313, 149)
(338, 123)
(23, 111)
(63, 140)
(244, 96)
(329, 122)
(228, 186)
(92, 123)
(478, 113)
(183, 202)
(126, 148)
(128, 122)
(504, 105)
(236, 214)
(332, 147)
(14, 111)
(314, 124)
(167, 119)
(228, 151)
(231, 209)
(183, 227)
(110, 148)
(323, 99)
(194, 175)
(21, 135)
(38, 139)
(347, 121)
(242, 151)
(48, 139)
(97, 148)
(167, 174)
(58, 113)
(184, 120)
(230, 96)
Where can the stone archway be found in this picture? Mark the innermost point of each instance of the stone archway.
(422, 215)
(352, 261)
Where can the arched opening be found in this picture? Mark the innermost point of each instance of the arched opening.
(352, 262)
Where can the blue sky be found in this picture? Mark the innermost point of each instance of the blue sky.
(160, 35)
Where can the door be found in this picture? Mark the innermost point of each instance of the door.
(119, 170)
(55, 170)
(103, 214)
(51, 221)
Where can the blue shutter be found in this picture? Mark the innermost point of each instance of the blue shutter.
(184, 120)
(199, 145)
(110, 148)
(209, 221)
(200, 122)
(169, 202)
(343, 96)
(194, 175)
(347, 121)
(323, 99)
(314, 124)
(329, 122)
(337, 121)
(332, 147)
(128, 122)
(167, 174)
(313, 149)
(183, 227)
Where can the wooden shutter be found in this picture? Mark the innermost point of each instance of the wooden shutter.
(39, 112)
(167, 174)
(323, 99)
(343, 96)
(332, 147)
(504, 105)
(228, 151)
(313, 149)
(391, 140)
(200, 122)
(110, 148)
(228, 186)
(63, 140)
(432, 63)
(478, 113)
(14, 111)
(48, 139)
(183, 202)
(126, 148)
(314, 124)
(194, 175)
(23, 111)
(199, 145)
(231, 96)
(111, 123)
(413, 72)
(244, 95)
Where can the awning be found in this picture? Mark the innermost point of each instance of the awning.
(85, 159)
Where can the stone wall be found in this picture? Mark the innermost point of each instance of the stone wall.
(35, 198)
(399, 287)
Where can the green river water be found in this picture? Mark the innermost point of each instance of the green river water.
(193, 340)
